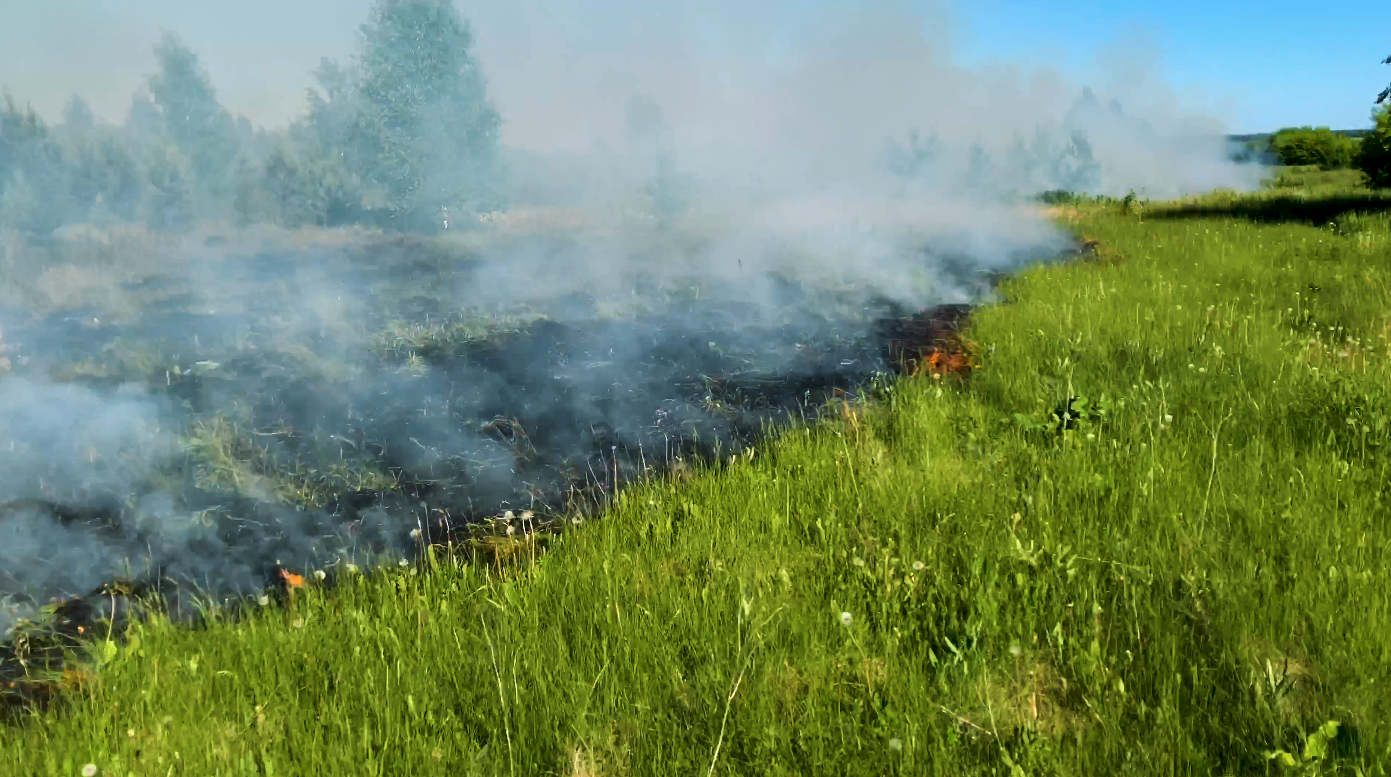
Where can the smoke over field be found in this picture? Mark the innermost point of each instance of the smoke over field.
(488, 273)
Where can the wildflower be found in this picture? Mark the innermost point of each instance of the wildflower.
(1014, 650)
(90, 770)
(1168, 419)
(404, 563)
(297, 623)
(1090, 436)
(415, 534)
(351, 568)
(895, 744)
(859, 562)
(845, 619)
(918, 566)
(263, 600)
(130, 733)
(319, 575)
(507, 516)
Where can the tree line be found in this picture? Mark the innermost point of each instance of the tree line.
(404, 132)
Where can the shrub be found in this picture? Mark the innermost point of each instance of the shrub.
(1374, 155)
(1301, 146)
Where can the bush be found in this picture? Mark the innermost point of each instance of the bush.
(1374, 155)
(1302, 146)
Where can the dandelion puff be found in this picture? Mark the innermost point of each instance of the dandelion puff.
(859, 562)
(263, 600)
(298, 623)
(415, 534)
(319, 574)
(1014, 650)
(1168, 419)
(403, 563)
(895, 744)
(918, 566)
(845, 619)
(352, 569)
(90, 770)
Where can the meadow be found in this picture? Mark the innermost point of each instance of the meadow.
(1148, 534)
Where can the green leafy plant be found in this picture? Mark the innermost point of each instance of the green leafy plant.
(1316, 751)
(1374, 155)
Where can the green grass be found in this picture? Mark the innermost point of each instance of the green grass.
(1186, 572)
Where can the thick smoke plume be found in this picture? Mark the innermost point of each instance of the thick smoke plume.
(593, 241)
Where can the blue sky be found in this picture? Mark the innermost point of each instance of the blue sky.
(1278, 62)
(1256, 65)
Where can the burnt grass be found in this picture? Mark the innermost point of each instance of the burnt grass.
(553, 417)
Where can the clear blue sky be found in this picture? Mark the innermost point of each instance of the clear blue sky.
(1281, 62)
(1261, 64)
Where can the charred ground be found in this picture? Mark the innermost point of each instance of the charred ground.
(275, 433)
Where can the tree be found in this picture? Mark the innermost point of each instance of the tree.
(910, 161)
(428, 132)
(652, 141)
(1385, 93)
(77, 117)
(170, 204)
(200, 127)
(1076, 169)
(105, 180)
(1374, 154)
(32, 191)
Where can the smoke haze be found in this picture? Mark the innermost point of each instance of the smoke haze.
(706, 206)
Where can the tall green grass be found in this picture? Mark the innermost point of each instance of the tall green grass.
(1151, 536)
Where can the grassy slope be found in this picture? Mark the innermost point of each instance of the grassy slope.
(1196, 574)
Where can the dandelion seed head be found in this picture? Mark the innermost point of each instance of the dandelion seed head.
(845, 619)
(1014, 650)
(415, 534)
(90, 770)
(263, 600)
(404, 563)
(918, 566)
(895, 744)
(298, 623)
(319, 574)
